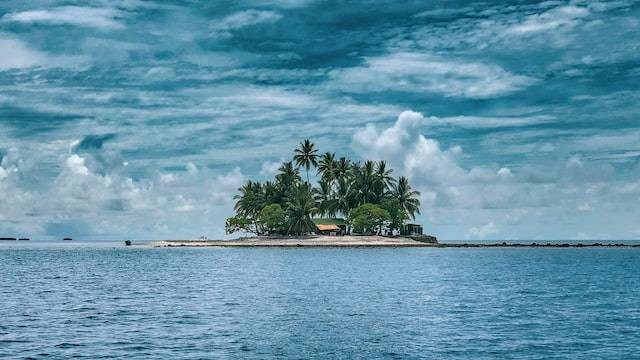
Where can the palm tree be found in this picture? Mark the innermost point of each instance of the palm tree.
(342, 168)
(342, 196)
(272, 194)
(384, 175)
(323, 195)
(250, 202)
(288, 175)
(287, 178)
(306, 156)
(300, 208)
(365, 187)
(407, 197)
(327, 166)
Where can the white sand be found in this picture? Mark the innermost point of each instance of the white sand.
(311, 241)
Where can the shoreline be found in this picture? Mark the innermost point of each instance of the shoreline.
(302, 241)
(363, 241)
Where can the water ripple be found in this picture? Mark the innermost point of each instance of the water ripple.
(106, 302)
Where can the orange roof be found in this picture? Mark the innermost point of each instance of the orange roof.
(327, 227)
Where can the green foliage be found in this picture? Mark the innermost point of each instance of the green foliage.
(367, 193)
(407, 197)
(397, 215)
(273, 218)
(300, 208)
(306, 155)
(239, 223)
(368, 218)
(323, 195)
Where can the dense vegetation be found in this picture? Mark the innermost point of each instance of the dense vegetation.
(371, 199)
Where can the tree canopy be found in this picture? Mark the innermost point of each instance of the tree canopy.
(367, 194)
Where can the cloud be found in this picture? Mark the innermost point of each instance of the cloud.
(481, 232)
(505, 172)
(269, 168)
(225, 186)
(404, 146)
(552, 20)
(99, 18)
(75, 164)
(192, 168)
(243, 19)
(17, 55)
(418, 73)
(585, 207)
(475, 122)
(455, 195)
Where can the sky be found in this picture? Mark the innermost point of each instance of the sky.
(139, 119)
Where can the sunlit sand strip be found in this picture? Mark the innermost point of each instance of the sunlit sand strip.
(316, 241)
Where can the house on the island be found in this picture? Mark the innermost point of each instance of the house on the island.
(332, 227)
(411, 229)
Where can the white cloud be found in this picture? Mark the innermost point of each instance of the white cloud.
(101, 18)
(167, 178)
(585, 207)
(282, 3)
(17, 55)
(404, 146)
(504, 172)
(192, 169)
(552, 20)
(491, 122)
(413, 72)
(243, 19)
(225, 186)
(454, 195)
(481, 232)
(269, 168)
(76, 165)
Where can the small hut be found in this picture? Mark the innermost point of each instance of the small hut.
(331, 227)
(328, 229)
(411, 229)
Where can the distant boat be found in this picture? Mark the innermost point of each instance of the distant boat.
(67, 239)
(7, 238)
(24, 239)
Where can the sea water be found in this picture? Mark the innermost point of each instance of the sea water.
(103, 300)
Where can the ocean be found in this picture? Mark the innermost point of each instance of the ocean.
(104, 300)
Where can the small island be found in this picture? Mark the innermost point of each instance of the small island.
(352, 204)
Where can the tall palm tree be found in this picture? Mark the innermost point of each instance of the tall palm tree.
(342, 196)
(272, 195)
(288, 175)
(407, 197)
(342, 168)
(306, 155)
(250, 202)
(323, 195)
(287, 179)
(327, 166)
(300, 208)
(383, 174)
(365, 187)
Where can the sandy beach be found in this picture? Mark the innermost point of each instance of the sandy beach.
(364, 241)
(311, 241)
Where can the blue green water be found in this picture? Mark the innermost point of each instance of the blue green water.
(104, 300)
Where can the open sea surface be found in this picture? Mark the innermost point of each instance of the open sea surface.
(103, 300)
